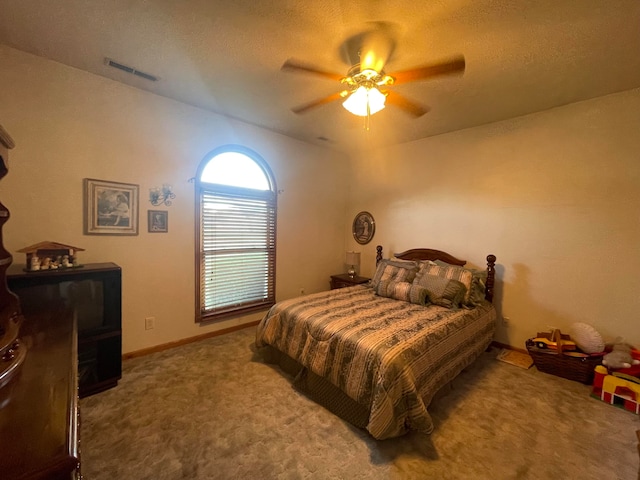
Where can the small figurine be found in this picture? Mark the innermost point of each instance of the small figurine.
(55, 254)
(35, 263)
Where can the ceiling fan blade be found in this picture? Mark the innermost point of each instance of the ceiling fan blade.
(292, 65)
(409, 106)
(317, 103)
(453, 66)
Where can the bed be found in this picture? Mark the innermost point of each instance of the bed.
(376, 354)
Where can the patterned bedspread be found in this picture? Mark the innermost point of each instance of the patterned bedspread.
(388, 355)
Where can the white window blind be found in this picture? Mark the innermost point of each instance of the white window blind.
(238, 250)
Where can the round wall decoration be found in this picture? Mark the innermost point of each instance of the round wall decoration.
(364, 226)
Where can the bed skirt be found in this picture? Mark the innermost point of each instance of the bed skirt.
(318, 389)
(325, 393)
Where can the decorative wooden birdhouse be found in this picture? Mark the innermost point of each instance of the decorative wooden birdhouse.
(51, 256)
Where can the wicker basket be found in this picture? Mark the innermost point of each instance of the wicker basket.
(556, 362)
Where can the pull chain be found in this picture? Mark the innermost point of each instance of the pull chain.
(367, 119)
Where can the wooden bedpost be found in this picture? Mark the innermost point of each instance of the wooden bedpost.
(491, 275)
(378, 254)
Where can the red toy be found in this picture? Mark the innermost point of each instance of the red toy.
(619, 387)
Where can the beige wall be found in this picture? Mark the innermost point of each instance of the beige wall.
(555, 196)
(69, 125)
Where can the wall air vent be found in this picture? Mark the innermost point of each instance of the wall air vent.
(131, 70)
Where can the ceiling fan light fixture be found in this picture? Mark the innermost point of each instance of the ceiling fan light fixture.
(365, 101)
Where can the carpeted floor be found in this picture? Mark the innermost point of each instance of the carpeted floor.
(213, 410)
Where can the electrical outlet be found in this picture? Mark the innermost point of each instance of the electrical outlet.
(150, 323)
(506, 321)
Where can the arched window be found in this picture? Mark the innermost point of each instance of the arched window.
(236, 243)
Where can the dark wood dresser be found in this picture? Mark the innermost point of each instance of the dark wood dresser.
(39, 407)
(38, 378)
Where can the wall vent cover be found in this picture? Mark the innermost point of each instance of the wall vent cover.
(131, 70)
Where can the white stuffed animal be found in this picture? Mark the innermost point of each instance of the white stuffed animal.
(619, 357)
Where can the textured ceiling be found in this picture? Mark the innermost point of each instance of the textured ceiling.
(522, 56)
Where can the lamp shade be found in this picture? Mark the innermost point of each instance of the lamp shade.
(357, 102)
(353, 258)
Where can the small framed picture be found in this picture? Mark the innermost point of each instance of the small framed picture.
(110, 208)
(158, 221)
(363, 228)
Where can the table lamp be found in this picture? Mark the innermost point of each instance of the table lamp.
(353, 260)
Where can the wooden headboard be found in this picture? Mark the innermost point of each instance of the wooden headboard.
(433, 255)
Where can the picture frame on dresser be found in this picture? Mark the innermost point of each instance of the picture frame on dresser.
(110, 208)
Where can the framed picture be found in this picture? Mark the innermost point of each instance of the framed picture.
(158, 221)
(364, 226)
(110, 208)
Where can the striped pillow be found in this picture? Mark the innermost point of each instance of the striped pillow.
(451, 272)
(405, 291)
(441, 291)
(478, 284)
(396, 270)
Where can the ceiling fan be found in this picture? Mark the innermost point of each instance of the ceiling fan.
(365, 87)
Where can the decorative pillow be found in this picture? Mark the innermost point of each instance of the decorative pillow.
(586, 337)
(478, 283)
(405, 291)
(428, 262)
(442, 291)
(451, 272)
(397, 270)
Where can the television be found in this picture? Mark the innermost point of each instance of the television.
(93, 295)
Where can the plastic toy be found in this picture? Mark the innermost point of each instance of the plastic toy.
(619, 387)
(622, 391)
(551, 340)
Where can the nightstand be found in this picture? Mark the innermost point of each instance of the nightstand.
(344, 280)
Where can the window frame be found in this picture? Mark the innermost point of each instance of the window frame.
(270, 196)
